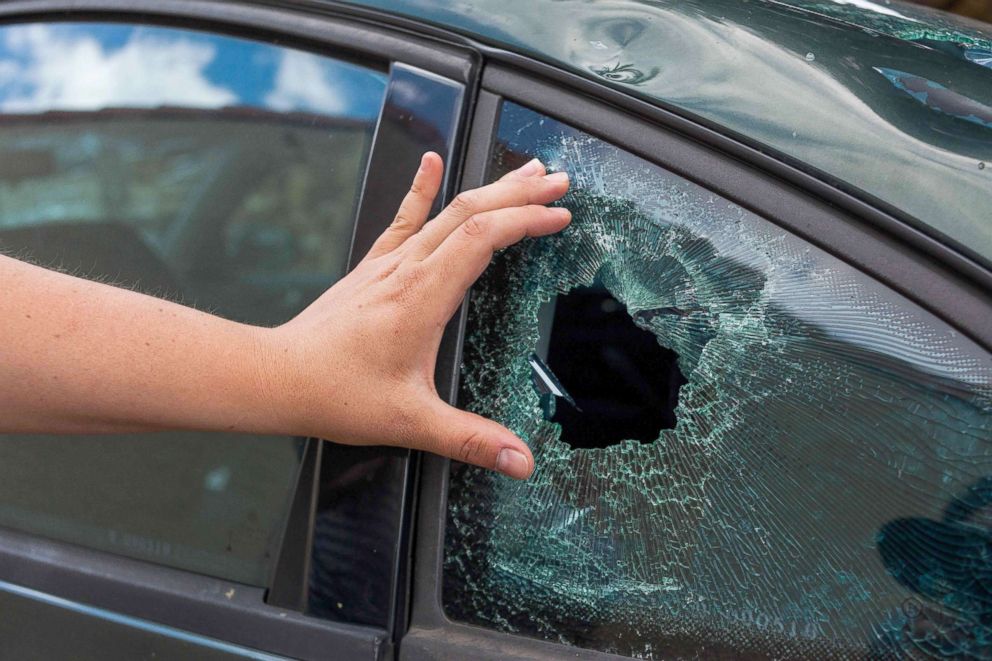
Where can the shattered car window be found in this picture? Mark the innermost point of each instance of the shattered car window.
(820, 484)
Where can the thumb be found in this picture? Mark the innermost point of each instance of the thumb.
(475, 440)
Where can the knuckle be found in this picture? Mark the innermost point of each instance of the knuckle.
(475, 226)
(387, 271)
(409, 283)
(465, 202)
(471, 448)
(402, 221)
(541, 184)
(417, 189)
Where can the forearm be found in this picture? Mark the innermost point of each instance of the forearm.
(356, 366)
(80, 356)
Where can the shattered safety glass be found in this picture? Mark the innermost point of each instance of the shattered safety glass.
(796, 463)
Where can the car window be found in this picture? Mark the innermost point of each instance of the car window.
(744, 447)
(219, 172)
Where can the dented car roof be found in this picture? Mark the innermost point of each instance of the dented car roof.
(887, 98)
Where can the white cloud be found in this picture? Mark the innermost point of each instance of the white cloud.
(53, 69)
(302, 82)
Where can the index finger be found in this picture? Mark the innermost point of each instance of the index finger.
(416, 205)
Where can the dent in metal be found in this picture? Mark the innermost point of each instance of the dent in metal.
(743, 66)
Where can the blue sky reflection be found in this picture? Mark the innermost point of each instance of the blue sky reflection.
(89, 66)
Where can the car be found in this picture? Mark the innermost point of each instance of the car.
(755, 371)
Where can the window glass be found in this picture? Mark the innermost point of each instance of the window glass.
(219, 172)
(817, 483)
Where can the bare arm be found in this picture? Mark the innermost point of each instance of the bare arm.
(80, 356)
(356, 366)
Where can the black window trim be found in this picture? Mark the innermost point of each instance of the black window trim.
(177, 598)
(951, 293)
(392, 157)
(320, 28)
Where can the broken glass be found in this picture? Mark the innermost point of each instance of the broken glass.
(824, 492)
(905, 21)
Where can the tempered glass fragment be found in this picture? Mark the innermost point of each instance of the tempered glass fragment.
(907, 21)
(546, 383)
(824, 493)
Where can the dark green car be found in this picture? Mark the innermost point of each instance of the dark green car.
(755, 371)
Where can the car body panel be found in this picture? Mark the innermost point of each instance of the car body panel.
(806, 82)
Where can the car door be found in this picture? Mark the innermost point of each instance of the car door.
(814, 482)
(239, 159)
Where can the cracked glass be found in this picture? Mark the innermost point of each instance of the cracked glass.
(912, 22)
(825, 491)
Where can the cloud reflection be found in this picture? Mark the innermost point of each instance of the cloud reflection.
(91, 66)
(47, 68)
(302, 81)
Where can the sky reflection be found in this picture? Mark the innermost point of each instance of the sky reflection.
(81, 67)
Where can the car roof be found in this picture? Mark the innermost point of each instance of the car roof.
(889, 99)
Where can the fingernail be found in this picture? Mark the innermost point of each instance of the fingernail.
(557, 177)
(562, 212)
(512, 463)
(530, 168)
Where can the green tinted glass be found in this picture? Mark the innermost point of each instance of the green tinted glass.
(823, 484)
(218, 172)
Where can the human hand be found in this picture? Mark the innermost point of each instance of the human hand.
(361, 358)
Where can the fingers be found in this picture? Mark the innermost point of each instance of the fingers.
(416, 205)
(472, 439)
(531, 168)
(514, 192)
(467, 251)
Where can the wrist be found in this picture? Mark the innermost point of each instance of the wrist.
(274, 382)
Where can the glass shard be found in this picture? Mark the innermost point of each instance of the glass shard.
(909, 21)
(545, 381)
(824, 491)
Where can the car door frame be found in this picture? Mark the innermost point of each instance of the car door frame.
(92, 587)
(869, 238)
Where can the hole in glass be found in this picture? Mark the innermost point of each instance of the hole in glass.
(624, 384)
